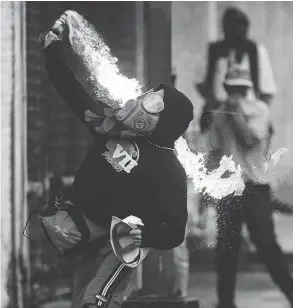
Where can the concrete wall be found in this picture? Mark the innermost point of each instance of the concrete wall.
(14, 249)
(195, 23)
(6, 108)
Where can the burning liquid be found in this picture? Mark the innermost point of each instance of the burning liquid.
(110, 86)
(114, 89)
(211, 183)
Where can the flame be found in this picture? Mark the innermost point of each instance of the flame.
(115, 89)
(211, 183)
(109, 85)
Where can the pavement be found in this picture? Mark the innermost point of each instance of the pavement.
(255, 290)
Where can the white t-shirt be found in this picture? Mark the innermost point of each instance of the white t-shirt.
(267, 83)
(222, 138)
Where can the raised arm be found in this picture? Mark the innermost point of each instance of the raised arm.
(210, 67)
(267, 85)
(98, 117)
(93, 113)
(64, 81)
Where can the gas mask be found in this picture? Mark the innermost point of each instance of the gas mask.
(141, 115)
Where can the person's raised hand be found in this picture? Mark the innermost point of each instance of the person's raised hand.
(46, 38)
(59, 25)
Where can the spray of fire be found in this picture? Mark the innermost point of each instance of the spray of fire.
(212, 183)
(115, 89)
(110, 86)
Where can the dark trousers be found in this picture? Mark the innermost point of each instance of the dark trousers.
(252, 207)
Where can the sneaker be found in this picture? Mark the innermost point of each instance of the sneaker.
(226, 306)
(177, 295)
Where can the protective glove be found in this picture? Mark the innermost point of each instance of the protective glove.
(45, 39)
(60, 25)
(59, 31)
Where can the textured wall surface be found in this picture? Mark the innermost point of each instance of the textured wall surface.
(14, 252)
(189, 43)
(196, 23)
(6, 108)
(57, 140)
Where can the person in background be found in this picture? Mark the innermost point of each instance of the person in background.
(236, 47)
(241, 129)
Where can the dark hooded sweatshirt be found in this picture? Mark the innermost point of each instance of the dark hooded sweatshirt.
(154, 189)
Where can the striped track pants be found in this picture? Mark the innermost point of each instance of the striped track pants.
(99, 278)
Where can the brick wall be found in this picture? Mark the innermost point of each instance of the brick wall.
(57, 141)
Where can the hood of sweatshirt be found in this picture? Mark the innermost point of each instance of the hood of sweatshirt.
(174, 119)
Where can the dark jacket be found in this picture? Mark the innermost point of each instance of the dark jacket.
(219, 50)
(154, 189)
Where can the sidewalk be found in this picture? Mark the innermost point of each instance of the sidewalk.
(255, 290)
